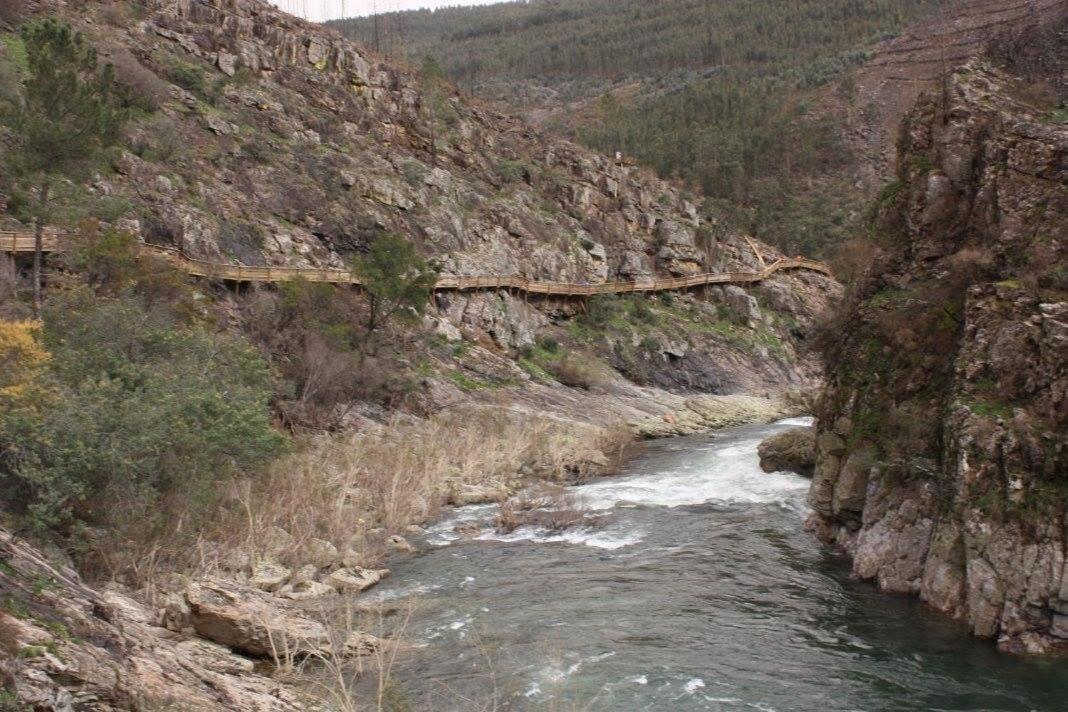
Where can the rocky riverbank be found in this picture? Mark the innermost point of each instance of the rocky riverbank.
(233, 633)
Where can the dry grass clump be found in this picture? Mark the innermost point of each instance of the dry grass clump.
(338, 488)
(546, 506)
(579, 372)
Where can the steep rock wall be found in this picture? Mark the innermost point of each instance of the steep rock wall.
(942, 459)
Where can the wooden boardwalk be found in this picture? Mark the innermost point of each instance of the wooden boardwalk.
(23, 242)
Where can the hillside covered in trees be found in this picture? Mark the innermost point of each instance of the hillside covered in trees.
(719, 94)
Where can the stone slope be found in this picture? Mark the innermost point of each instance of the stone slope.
(291, 146)
(65, 646)
(555, 211)
(941, 449)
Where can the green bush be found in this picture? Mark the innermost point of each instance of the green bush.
(140, 412)
(188, 76)
(511, 171)
(549, 344)
(577, 371)
(603, 309)
(641, 312)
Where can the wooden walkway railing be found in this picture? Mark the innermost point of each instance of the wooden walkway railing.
(23, 242)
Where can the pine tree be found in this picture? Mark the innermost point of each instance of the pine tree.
(398, 281)
(65, 113)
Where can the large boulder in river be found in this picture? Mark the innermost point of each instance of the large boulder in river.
(790, 451)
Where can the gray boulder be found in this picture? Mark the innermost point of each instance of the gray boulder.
(790, 451)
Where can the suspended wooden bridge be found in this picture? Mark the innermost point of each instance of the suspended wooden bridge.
(12, 241)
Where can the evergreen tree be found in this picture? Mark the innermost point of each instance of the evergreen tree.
(65, 113)
(398, 281)
(434, 101)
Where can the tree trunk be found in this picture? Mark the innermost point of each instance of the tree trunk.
(38, 250)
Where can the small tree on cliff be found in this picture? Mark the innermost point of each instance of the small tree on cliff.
(398, 281)
(435, 101)
(65, 113)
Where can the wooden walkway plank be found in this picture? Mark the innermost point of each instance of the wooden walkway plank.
(14, 241)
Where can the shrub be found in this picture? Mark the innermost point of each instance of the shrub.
(512, 171)
(547, 506)
(577, 372)
(311, 332)
(603, 308)
(143, 413)
(549, 344)
(651, 344)
(414, 173)
(258, 150)
(162, 140)
(641, 312)
(103, 258)
(188, 76)
(110, 261)
(138, 88)
(23, 361)
(122, 14)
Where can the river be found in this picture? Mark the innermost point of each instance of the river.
(699, 590)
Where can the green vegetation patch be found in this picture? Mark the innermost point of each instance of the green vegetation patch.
(15, 51)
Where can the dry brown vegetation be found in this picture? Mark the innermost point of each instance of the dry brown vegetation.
(580, 372)
(354, 489)
(338, 487)
(547, 506)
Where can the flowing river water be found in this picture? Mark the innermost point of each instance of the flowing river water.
(699, 590)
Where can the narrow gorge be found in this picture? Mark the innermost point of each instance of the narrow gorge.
(328, 385)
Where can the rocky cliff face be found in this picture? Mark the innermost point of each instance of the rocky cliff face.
(275, 141)
(942, 462)
(368, 147)
(355, 147)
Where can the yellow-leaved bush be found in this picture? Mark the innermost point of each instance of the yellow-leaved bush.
(23, 360)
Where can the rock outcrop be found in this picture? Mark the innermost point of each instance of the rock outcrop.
(65, 646)
(790, 451)
(703, 413)
(942, 459)
(355, 147)
(903, 67)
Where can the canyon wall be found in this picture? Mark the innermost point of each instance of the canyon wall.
(942, 461)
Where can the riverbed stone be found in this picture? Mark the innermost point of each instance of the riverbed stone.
(306, 591)
(269, 576)
(241, 619)
(400, 544)
(790, 451)
(355, 579)
(320, 553)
